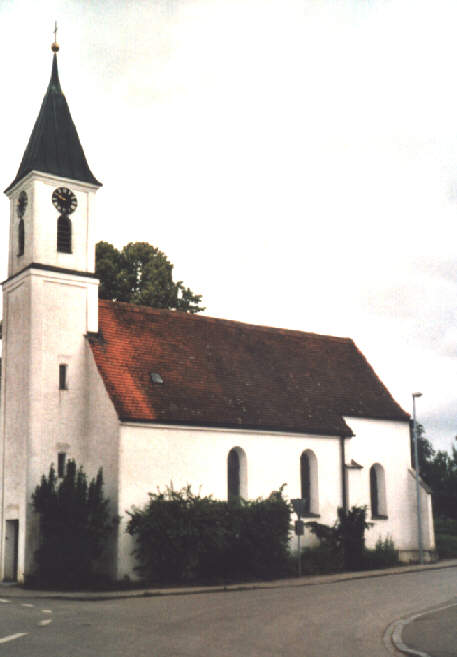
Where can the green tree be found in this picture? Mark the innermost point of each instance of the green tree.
(425, 450)
(439, 470)
(74, 526)
(142, 274)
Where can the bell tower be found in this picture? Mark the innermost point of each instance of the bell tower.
(50, 303)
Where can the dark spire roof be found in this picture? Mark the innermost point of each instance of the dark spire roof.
(54, 145)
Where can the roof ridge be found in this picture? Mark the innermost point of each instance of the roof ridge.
(210, 319)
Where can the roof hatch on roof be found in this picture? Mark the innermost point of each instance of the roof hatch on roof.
(156, 378)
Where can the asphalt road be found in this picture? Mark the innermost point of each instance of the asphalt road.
(339, 619)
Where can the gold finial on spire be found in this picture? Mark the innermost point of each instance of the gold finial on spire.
(55, 45)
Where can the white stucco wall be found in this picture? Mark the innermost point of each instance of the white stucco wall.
(15, 413)
(387, 443)
(427, 527)
(101, 437)
(153, 457)
(46, 317)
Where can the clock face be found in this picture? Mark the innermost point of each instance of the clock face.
(22, 204)
(64, 200)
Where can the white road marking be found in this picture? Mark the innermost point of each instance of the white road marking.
(3, 600)
(46, 611)
(45, 622)
(11, 637)
(27, 604)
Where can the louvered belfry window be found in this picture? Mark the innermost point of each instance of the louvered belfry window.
(20, 237)
(64, 234)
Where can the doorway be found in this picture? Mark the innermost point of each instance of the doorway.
(11, 549)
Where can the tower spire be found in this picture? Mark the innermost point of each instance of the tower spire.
(54, 145)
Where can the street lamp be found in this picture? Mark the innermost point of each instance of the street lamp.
(416, 463)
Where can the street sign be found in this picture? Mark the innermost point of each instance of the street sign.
(299, 527)
(299, 506)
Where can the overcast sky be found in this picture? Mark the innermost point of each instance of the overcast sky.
(295, 159)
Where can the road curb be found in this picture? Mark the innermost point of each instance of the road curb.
(397, 638)
(16, 591)
(395, 630)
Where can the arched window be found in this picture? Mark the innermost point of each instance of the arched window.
(233, 475)
(309, 482)
(378, 492)
(305, 480)
(20, 237)
(236, 474)
(64, 234)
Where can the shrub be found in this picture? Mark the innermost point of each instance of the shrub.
(446, 546)
(184, 537)
(74, 527)
(446, 536)
(351, 526)
(383, 556)
(445, 525)
(346, 539)
(320, 560)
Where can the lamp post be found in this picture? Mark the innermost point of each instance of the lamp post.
(416, 463)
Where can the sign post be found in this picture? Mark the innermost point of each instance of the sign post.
(299, 506)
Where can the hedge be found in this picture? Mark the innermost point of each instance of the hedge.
(182, 537)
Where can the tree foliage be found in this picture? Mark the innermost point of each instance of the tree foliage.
(139, 273)
(185, 537)
(439, 471)
(74, 526)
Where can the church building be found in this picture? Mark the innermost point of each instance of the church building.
(156, 396)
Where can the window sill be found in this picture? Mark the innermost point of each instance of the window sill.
(379, 516)
(310, 514)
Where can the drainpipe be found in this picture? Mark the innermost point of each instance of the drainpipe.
(418, 496)
(344, 492)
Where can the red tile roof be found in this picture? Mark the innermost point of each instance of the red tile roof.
(222, 373)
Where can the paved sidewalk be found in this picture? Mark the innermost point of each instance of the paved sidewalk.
(8, 590)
